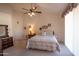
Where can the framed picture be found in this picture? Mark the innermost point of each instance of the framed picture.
(3, 30)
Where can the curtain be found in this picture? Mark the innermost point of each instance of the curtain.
(72, 31)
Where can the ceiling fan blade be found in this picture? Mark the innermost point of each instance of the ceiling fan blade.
(25, 9)
(31, 10)
(37, 11)
(25, 13)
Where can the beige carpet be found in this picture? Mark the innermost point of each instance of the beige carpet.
(19, 49)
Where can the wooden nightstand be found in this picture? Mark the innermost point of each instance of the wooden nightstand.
(31, 35)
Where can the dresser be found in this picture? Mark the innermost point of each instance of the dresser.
(7, 42)
(1, 51)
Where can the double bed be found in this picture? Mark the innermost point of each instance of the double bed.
(44, 42)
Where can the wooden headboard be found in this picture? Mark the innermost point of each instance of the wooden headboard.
(45, 26)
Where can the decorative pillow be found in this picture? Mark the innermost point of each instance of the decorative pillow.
(49, 32)
(44, 33)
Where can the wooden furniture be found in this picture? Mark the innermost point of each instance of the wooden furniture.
(7, 42)
(1, 51)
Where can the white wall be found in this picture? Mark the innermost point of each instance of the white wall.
(10, 17)
(18, 29)
(72, 31)
(6, 17)
(57, 23)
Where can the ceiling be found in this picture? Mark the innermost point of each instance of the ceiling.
(54, 8)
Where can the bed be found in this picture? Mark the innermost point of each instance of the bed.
(44, 42)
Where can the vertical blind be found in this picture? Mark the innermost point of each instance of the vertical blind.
(72, 30)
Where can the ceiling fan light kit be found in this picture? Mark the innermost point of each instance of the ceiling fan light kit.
(31, 14)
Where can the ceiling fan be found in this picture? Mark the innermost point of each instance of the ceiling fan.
(32, 10)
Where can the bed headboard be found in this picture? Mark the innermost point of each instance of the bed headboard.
(44, 28)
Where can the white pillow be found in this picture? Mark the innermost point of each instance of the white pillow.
(44, 33)
(49, 33)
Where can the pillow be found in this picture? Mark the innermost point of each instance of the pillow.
(49, 33)
(44, 33)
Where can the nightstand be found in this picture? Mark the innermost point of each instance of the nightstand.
(31, 35)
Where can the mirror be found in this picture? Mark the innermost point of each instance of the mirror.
(3, 30)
